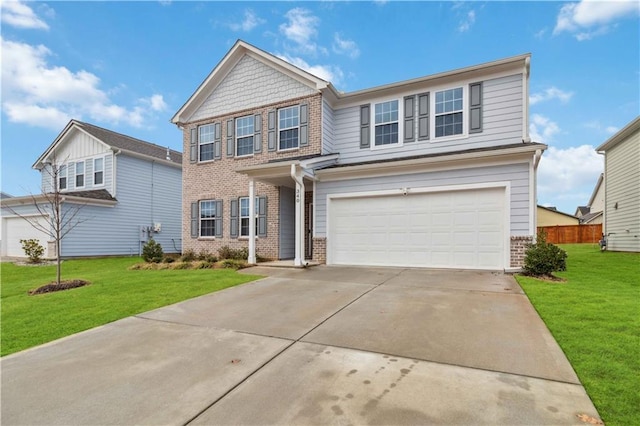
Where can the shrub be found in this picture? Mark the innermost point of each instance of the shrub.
(169, 259)
(152, 251)
(226, 252)
(232, 264)
(202, 264)
(33, 250)
(543, 258)
(208, 257)
(188, 256)
(181, 265)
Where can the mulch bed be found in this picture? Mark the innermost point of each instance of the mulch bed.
(64, 285)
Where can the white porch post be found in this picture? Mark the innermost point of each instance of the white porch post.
(299, 210)
(252, 223)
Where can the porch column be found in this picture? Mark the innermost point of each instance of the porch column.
(252, 223)
(299, 210)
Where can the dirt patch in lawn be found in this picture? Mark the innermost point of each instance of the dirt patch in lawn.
(64, 285)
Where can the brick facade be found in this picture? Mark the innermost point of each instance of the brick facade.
(218, 179)
(518, 249)
(320, 250)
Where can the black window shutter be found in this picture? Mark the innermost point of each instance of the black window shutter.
(194, 219)
(364, 126)
(304, 119)
(218, 221)
(233, 232)
(262, 217)
(475, 107)
(257, 133)
(231, 146)
(193, 145)
(423, 116)
(217, 141)
(271, 127)
(409, 122)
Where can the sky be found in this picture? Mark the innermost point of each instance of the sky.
(129, 66)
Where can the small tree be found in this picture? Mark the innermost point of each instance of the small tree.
(543, 258)
(152, 251)
(33, 250)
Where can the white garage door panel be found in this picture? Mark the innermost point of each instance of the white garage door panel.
(455, 229)
(19, 229)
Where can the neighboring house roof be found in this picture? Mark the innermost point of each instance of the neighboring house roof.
(589, 217)
(554, 210)
(4, 195)
(582, 211)
(96, 194)
(117, 141)
(241, 48)
(622, 135)
(595, 190)
(99, 197)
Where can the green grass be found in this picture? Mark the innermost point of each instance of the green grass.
(595, 317)
(114, 293)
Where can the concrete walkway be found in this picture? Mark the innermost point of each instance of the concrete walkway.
(327, 345)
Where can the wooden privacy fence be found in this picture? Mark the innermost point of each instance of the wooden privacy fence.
(572, 234)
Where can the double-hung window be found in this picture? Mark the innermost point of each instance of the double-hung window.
(288, 127)
(98, 171)
(386, 123)
(208, 218)
(449, 116)
(205, 142)
(80, 174)
(244, 136)
(62, 177)
(244, 216)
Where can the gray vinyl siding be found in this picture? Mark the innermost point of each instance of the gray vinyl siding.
(328, 133)
(88, 175)
(148, 193)
(622, 183)
(287, 223)
(517, 174)
(502, 124)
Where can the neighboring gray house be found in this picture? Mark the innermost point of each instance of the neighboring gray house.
(128, 190)
(622, 188)
(438, 171)
(591, 214)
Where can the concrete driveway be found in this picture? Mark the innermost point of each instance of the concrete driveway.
(326, 345)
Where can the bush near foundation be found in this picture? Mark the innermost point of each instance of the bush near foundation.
(542, 259)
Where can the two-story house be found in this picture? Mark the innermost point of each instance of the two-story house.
(438, 171)
(117, 191)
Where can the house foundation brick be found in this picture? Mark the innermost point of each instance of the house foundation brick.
(518, 249)
(320, 250)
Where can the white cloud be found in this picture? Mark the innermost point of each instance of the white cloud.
(568, 175)
(542, 129)
(589, 18)
(467, 22)
(301, 29)
(19, 15)
(611, 129)
(250, 21)
(345, 47)
(549, 94)
(39, 94)
(596, 125)
(329, 73)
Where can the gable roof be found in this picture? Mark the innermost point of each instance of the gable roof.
(596, 189)
(622, 135)
(554, 210)
(116, 141)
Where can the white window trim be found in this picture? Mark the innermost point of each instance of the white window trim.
(465, 112)
(75, 175)
(94, 171)
(372, 124)
(216, 217)
(64, 167)
(279, 129)
(213, 142)
(253, 135)
(240, 217)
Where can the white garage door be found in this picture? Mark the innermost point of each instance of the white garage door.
(453, 229)
(17, 229)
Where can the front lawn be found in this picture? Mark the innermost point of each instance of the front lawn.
(595, 317)
(114, 293)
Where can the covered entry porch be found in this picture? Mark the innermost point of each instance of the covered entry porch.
(295, 179)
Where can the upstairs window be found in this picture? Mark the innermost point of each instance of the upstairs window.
(80, 174)
(209, 216)
(98, 171)
(205, 142)
(62, 177)
(288, 127)
(244, 136)
(386, 123)
(449, 117)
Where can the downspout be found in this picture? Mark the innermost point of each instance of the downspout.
(299, 210)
